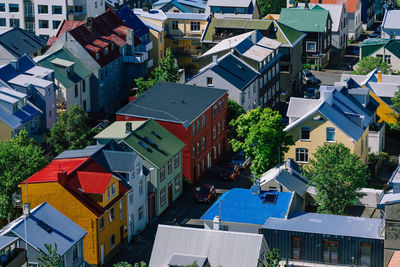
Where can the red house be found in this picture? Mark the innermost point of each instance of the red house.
(196, 115)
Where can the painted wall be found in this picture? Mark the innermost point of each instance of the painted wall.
(158, 50)
(394, 60)
(67, 95)
(392, 230)
(5, 131)
(7, 15)
(384, 111)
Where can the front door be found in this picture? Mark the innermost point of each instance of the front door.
(102, 253)
(169, 193)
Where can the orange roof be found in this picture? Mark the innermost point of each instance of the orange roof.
(93, 48)
(115, 39)
(351, 5)
(100, 43)
(395, 260)
(93, 182)
(122, 29)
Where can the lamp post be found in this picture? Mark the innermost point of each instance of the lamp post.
(319, 48)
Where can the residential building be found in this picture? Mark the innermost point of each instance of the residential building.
(262, 54)
(353, 9)
(247, 9)
(291, 48)
(231, 73)
(128, 167)
(324, 239)
(16, 113)
(46, 225)
(204, 129)
(180, 6)
(341, 115)
(157, 37)
(181, 246)
(37, 83)
(71, 77)
(12, 255)
(317, 24)
(161, 152)
(240, 210)
(390, 28)
(183, 32)
(43, 17)
(388, 50)
(367, 13)
(16, 42)
(90, 196)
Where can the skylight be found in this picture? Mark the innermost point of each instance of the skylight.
(143, 145)
(44, 226)
(155, 134)
(148, 140)
(270, 198)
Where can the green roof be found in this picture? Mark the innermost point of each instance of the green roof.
(58, 61)
(370, 46)
(153, 142)
(283, 33)
(306, 20)
(117, 130)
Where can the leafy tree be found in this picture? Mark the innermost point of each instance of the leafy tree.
(338, 175)
(72, 130)
(50, 257)
(368, 64)
(271, 6)
(19, 159)
(260, 135)
(271, 258)
(165, 71)
(234, 111)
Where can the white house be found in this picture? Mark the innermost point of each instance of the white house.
(391, 24)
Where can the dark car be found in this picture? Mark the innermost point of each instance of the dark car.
(240, 159)
(311, 93)
(374, 35)
(231, 170)
(309, 78)
(205, 193)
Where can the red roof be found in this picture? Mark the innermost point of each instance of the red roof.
(93, 183)
(115, 39)
(66, 25)
(93, 48)
(122, 29)
(395, 260)
(100, 43)
(351, 5)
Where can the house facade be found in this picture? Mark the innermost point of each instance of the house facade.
(183, 6)
(385, 49)
(247, 9)
(12, 255)
(203, 130)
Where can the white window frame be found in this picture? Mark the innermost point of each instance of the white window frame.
(311, 50)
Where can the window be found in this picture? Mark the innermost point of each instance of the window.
(43, 24)
(131, 199)
(203, 143)
(219, 127)
(112, 190)
(330, 134)
(56, 23)
(174, 25)
(209, 81)
(141, 188)
(74, 252)
(13, 8)
(198, 148)
(138, 168)
(296, 248)
(140, 213)
(56, 9)
(214, 111)
(198, 125)
(76, 90)
(101, 223)
(108, 193)
(169, 166)
(203, 121)
(177, 182)
(162, 174)
(163, 197)
(302, 154)
(362, 148)
(194, 152)
(219, 148)
(14, 23)
(176, 160)
(195, 26)
(305, 133)
(112, 241)
(2, 22)
(365, 254)
(121, 209)
(330, 254)
(111, 214)
(219, 106)
(194, 129)
(43, 9)
(223, 123)
(214, 132)
(223, 104)
(198, 170)
(84, 85)
(387, 59)
(2, 7)
(311, 46)
(203, 164)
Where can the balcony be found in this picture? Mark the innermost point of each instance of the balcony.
(146, 47)
(137, 58)
(178, 51)
(178, 35)
(16, 257)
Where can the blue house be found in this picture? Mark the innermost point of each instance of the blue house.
(240, 210)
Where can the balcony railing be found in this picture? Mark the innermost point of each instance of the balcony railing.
(137, 57)
(146, 47)
(186, 35)
(186, 52)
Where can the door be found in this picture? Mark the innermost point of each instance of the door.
(331, 250)
(169, 193)
(102, 253)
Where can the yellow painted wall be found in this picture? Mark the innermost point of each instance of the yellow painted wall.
(384, 111)
(5, 131)
(106, 201)
(158, 50)
(57, 196)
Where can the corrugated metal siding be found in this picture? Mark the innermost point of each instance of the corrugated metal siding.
(311, 246)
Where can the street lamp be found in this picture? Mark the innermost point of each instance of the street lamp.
(319, 47)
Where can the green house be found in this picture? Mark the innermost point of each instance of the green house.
(161, 152)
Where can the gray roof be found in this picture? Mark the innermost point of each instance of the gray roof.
(300, 106)
(152, 25)
(391, 19)
(7, 240)
(229, 3)
(185, 260)
(19, 42)
(384, 89)
(173, 102)
(327, 224)
(222, 248)
(120, 161)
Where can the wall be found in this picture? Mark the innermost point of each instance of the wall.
(69, 95)
(68, 257)
(5, 131)
(386, 33)
(5, 56)
(376, 140)
(50, 17)
(158, 50)
(392, 230)
(236, 227)
(394, 60)
(384, 111)
(14, 15)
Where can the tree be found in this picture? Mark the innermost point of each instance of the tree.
(368, 64)
(271, 6)
(72, 131)
(271, 258)
(338, 175)
(260, 135)
(396, 107)
(19, 159)
(166, 70)
(50, 257)
(234, 111)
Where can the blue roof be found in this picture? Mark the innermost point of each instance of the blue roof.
(132, 21)
(328, 224)
(46, 225)
(8, 72)
(180, 4)
(6, 241)
(241, 206)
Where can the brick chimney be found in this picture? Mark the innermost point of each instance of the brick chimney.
(62, 177)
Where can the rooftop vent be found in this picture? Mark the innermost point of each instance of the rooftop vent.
(44, 226)
(128, 127)
(155, 134)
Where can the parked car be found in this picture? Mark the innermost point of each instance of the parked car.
(240, 159)
(205, 193)
(311, 93)
(374, 35)
(309, 78)
(231, 170)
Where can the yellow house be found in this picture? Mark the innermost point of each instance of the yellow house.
(87, 194)
(334, 118)
(157, 37)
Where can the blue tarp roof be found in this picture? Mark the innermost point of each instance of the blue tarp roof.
(241, 206)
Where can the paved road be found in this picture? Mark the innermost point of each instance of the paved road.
(329, 77)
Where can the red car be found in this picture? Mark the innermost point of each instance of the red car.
(230, 172)
(205, 193)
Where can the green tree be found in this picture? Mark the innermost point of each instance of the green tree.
(234, 111)
(271, 6)
(338, 175)
(368, 64)
(166, 70)
(260, 135)
(19, 159)
(72, 131)
(50, 257)
(271, 258)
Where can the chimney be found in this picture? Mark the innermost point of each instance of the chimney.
(27, 209)
(146, 6)
(62, 177)
(306, 4)
(89, 23)
(14, 63)
(379, 76)
(215, 59)
(320, 1)
(254, 37)
(128, 127)
(217, 223)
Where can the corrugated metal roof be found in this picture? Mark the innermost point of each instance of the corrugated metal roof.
(179, 259)
(132, 21)
(120, 161)
(328, 224)
(222, 248)
(229, 3)
(306, 20)
(93, 182)
(300, 106)
(335, 10)
(6, 241)
(391, 19)
(18, 42)
(384, 89)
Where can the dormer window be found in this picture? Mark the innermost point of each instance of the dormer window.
(97, 55)
(15, 107)
(112, 46)
(105, 51)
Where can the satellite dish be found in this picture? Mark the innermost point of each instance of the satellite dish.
(256, 188)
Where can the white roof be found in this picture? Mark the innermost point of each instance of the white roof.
(153, 14)
(190, 16)
(222, 248)
(300, 106)
(152, 25)
(257, 52)
(39, 71)
(232, 16)
(26, 80)
(229, 3)
(384, 89)
(391, 19)
(227, 43)
(269, 43)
